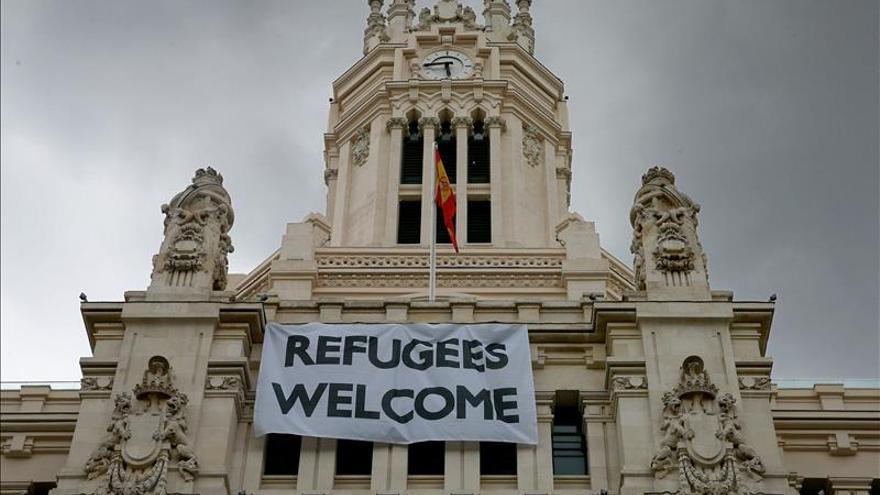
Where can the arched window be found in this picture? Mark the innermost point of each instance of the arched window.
(478, 155)
(446, 146)
(411, 161)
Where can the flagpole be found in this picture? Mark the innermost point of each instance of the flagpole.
(432, 263)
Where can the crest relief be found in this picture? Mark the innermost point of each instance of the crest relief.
(146, 435)
(702, 438)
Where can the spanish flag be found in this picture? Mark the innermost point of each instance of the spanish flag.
(445, 197)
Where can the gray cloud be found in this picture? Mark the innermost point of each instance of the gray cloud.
(766, 111)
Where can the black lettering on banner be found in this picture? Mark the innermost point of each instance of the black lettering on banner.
(350, 347)
(444, 411)
(463, 397)
(296, 346)
(446, 350)
(499, 353)
(335, 399)
(360, 404)
(299, 394)
(472, 353)
(373, 354)
(389, 411)
(427, 355)
(502, 405)
(327, 344)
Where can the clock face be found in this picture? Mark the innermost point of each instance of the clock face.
(447, 64)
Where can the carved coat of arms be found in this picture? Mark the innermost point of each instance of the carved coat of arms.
(702, 437)
(144, 436)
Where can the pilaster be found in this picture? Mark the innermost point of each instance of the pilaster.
(429, 127)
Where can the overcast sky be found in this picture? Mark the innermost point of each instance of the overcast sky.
(766, 111)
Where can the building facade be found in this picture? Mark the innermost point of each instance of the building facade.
(647, 380)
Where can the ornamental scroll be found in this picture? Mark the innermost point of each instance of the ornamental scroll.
(146, 434)
(703, 439)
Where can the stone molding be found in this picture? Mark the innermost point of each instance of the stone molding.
(754, 382)
(532, 145)
(443, 261)
(495, 121)
(418, 280)
(96, 383)
(462, 121)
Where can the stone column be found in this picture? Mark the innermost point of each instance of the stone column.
(462, 125)
(395, 127)
(496, 125)
(429, 127)
(534, 463)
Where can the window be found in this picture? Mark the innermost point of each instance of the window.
(479, 216)
(281, 454)
(411, 161)
(442, 233)
(817, 486)
(446, 147)
(354, 457)
(426, 458)
(478, 156)
(409, 220)
(875, 487)
(497, 458)
(40, 488)
(569, 447)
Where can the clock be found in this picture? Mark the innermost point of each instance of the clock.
(447, 64)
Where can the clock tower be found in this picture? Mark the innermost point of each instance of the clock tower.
(500, 121)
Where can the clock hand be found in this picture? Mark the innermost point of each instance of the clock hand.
(448, 65)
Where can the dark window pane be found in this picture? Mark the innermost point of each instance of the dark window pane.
(569, 465)
(497, 458)
(478, 156)
(479, 221)
(409, 222)
(442, 233)
(817, 486)
(569, 444)
(411, 159)
(282, 454)
(426, 458)
(354, 457)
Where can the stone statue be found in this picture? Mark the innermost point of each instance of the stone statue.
(193, 256)
(666, 250)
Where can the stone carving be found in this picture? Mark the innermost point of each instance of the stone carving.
(564, 173)
(426, 122)
(443, 261)
(197, 222)
(521, 31)
(702, 437)
(754, 382)
(223, 383)
(446, 11)
(629, 383)
(415, 280)
(731, 431)
(397, 122)
(360, 147)
(94, 383)
(495, 121)
(664, 224)
(377, 30)
(330, 174)
(425, 19)
(462, 121)
(533, 147)
(144, 436)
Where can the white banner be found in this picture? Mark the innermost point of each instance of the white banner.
(397, 383)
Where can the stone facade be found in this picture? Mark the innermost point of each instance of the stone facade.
(670, 378)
